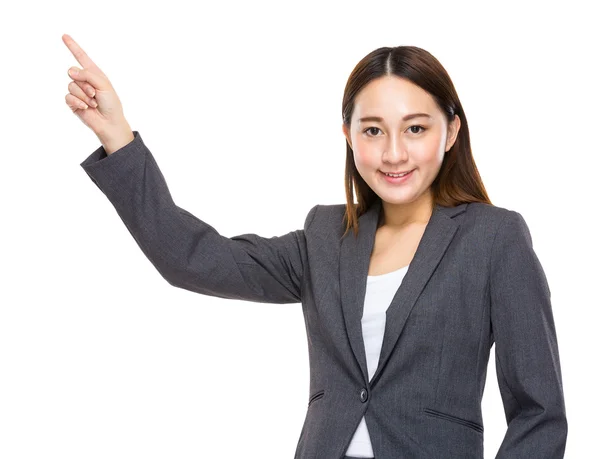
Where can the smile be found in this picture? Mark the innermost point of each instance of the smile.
(397, 178)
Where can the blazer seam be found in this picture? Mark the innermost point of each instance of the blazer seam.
(492, 256)
(497, 360)
(481, 330)
(488, 291)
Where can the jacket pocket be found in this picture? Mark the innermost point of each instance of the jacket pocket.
(315, 396)
(473, 425)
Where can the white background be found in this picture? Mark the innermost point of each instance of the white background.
(240, 103)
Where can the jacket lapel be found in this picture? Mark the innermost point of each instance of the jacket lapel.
(355, 256)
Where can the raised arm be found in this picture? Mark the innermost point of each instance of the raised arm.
(188, 252)
(527, 359)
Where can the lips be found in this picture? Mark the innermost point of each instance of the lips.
(397, 173)
(397, 180)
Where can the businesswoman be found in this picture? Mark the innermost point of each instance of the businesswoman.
(403, 293)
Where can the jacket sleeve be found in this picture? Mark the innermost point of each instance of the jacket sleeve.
(187, 252)
(527, 358)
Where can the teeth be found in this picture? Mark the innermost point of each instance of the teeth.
(397, 175)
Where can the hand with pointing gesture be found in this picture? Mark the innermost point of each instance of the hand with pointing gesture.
(93, 99)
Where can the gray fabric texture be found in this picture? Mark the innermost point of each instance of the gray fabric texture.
(475, 280)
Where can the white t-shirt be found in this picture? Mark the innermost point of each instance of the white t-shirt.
(379, 294)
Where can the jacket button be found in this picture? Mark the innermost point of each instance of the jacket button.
(364, 395)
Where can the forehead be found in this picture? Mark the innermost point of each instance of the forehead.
(393, 97)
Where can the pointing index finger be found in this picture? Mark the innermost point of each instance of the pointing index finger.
(79, 53)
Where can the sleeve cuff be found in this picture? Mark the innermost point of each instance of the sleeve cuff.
(103, 168)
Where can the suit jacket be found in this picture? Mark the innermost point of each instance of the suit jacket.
(474, 280)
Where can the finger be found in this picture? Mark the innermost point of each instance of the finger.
(79, 53)
(85, 75)
(80, 94)
(74, 103)
(87, 88)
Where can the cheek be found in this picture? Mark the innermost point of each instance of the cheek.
(364, 154)
(428, 151)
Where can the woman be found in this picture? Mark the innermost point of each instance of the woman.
(403, 294)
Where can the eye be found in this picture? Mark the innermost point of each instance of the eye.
(369, 129)
(417, 126)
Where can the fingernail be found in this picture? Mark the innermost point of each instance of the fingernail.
(94, 104)
(73, 72)
(83, 106)
(91, 92)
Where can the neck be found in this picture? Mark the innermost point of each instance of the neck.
(398, 216)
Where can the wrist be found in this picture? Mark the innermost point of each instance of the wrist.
(116, 138)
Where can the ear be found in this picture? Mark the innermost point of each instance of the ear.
(453, 129)
(347, 134)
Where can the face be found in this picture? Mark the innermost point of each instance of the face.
(386, 138)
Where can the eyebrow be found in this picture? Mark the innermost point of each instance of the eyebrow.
(410, 116)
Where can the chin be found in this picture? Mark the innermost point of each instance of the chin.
(396, 198)
(398, 201)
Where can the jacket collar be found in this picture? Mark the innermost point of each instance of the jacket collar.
(355, 256)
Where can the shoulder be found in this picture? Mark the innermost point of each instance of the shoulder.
(489, 217)
(505, 228)
(331, 210)
(326, 217)
(487, 212)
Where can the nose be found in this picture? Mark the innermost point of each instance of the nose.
(395, 150)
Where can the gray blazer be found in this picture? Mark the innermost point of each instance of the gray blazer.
(475, 280)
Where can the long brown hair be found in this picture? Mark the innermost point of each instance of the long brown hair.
(458, 180)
